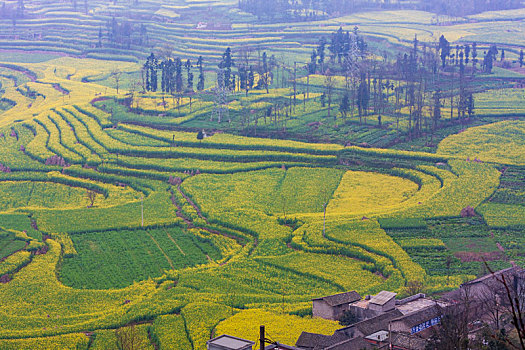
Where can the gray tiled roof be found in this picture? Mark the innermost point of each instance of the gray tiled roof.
(351, 344)
(318, 341)
(230, 342)
(408, 341)
(374, 324)
(342, 298)
(490, 276)
(418, 317)
(382, 298)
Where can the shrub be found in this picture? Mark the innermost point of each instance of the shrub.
(468, 212)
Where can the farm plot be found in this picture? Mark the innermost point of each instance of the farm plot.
(501, 143)
(343, 272)
(40, 195)
(262, 196)
(115, 259)
(451, 247)
(9, 244)
(363, 193)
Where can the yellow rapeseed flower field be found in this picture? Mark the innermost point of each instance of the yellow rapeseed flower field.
(285, 328)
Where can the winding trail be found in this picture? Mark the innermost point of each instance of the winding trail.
(171, 238)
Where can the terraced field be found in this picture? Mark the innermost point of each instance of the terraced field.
(216, 204)
(115, 214)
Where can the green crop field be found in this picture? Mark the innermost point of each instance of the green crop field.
(185, 213)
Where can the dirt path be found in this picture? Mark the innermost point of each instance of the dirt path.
(163, 252)
(197, 209)
(171, 238)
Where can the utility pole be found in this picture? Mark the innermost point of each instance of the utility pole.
(324, 217)
(294, 83)
(308, 86)
(262, 336)
(389, 335)
(142, 209)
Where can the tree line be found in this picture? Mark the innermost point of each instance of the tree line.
(242, 74)
(421, 86)
(414, 85)
(284, 10)
(176, 76)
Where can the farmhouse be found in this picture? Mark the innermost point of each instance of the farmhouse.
(382, 302)
(401, 341)
(405, 324)
(376, 332)
(490, 284)
(332, 307)
(352, 344)
(213, 26)
(369, 326)
(417, 321)
(381, 317)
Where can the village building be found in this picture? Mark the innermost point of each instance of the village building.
(332, 307)
(372, 306)
(417, 321)
(310, 341)
(401, 341)
(491, 285)
(369, 326)
(380, 317)
(383, 301)
(388, 323)
(352, 344)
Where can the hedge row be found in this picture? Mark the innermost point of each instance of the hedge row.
(395, 154)
(43, 177)
(108, 179)
(232, 146)
(402, 223)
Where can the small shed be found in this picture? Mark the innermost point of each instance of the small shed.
(332, 307)
(228, 342)
(382, 302)
(377, 337)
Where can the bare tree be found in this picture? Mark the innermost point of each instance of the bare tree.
(116, 74)
(514, 303)
(143, 79)
(134, 88)
(414, 287)
(329, 84)
(456, 316)
(91, 196)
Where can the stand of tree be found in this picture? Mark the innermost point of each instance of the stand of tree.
(419, 86)
(415, 84)
(171, 72)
